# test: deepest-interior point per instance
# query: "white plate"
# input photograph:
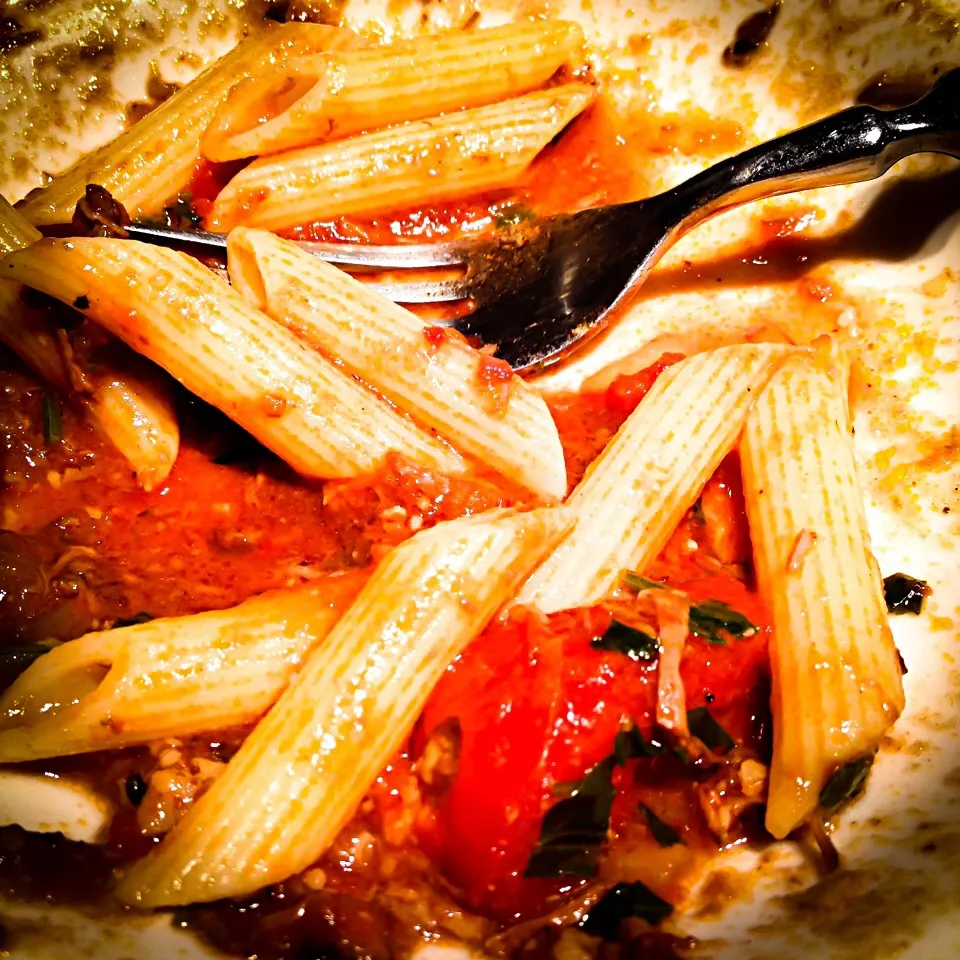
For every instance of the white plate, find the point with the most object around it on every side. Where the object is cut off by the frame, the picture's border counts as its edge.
(895, 281)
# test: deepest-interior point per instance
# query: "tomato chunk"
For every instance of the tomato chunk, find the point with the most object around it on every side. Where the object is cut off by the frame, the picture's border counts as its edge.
(539, 706)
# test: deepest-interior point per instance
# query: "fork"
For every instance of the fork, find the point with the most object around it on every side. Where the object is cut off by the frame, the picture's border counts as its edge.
(546, 287)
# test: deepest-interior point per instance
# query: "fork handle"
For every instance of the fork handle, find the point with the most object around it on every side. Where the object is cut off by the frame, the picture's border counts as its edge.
(860, 143)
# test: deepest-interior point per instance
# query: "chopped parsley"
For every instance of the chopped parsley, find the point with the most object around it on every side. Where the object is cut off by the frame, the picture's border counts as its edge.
(627, 640)
(635, 582)
(662, 832)
(846, 783)
(575, 829)
(630, 744)
(905, 594)
(706, 729)
(182, 209)
(52, 425)
(712, 619)
(179, 215)
(622, 902)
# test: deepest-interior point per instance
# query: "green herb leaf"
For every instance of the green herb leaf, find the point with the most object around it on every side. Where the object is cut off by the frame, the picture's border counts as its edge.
(575, 829)
(629, 641)
(179, 215)
(630, 744)
(137, 618)
(511, 214)
(703, 726)
(709, 618)
(905, 594)
(22, 656)
(635, 582)
(662, 832)
(846, 783)
(182, 208)
(52, 427)
(625, 900)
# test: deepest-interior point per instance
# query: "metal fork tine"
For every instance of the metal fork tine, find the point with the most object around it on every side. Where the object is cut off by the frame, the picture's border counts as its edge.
(359, 255)
(390, 257)
(439, 291)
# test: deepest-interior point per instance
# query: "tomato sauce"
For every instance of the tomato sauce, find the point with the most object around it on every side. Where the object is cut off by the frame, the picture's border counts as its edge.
(537, 706)
(527, 710)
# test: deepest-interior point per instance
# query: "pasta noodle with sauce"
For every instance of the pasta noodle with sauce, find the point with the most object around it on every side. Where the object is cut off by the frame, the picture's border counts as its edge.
(149, 164)
(437, 383)
(525, 729)
(192, 323)
(651, 472)
(118, 391)
(15, 230)
(331, 96)
(171, 677)
(485, 148)
(351, 706)
(836, 679)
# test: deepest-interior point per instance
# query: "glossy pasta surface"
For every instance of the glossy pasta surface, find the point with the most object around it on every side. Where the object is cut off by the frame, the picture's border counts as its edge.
(334, 633)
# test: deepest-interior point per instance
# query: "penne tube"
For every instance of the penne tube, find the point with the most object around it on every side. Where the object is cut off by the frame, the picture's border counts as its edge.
(15, 230)
(131, 404)
(121, 396)
(171, 677)
(39, 803)
(149, 164)
(836, 682)
(441, 385)
(486, 148)
(302, 772)
(182, 316)
(329, 96)
(635, 493)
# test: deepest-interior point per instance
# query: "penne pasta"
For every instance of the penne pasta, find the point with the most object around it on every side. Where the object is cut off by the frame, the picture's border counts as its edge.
(153, 161)
(486, 148)
(118, 391)
(171, 677)
(636, 492)
(835, 675)
(302, 772)
(40, 803)
(15, 230)
(131, 404)
(182, 316)
(506, 426)
(329, 96)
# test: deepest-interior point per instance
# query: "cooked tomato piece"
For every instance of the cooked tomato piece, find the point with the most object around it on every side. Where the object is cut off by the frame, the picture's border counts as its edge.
(625, 393)
(724, 514)
(539, 706)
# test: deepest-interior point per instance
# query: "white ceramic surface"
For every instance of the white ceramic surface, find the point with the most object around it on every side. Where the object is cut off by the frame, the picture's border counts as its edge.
(894, 286)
